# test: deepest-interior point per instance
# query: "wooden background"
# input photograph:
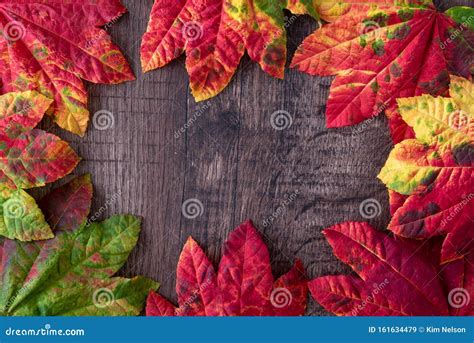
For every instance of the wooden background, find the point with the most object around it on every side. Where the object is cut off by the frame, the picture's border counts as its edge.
(305, 177)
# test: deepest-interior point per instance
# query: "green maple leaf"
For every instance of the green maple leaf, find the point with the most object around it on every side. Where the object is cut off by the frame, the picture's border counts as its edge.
(72, 274)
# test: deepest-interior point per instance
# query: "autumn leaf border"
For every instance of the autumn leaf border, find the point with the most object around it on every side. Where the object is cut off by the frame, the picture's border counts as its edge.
(46, 205)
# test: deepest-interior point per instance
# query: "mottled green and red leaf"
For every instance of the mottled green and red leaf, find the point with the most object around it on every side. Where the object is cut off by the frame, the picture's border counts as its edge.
(71, 274)
(330, 10)
(435, 171)
(67, 207)
(215, 34)
(28, 158)
(42, 49)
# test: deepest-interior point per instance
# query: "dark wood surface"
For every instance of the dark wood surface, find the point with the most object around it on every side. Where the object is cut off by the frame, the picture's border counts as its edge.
(305, 177)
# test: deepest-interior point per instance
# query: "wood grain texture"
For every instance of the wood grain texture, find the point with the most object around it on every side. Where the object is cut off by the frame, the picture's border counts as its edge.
(292, 183)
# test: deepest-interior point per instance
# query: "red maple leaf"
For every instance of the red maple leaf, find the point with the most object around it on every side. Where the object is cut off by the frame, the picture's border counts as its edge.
(43, 49)
(381, 53)
(243, 286)
(394, 277)
(215, 34)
